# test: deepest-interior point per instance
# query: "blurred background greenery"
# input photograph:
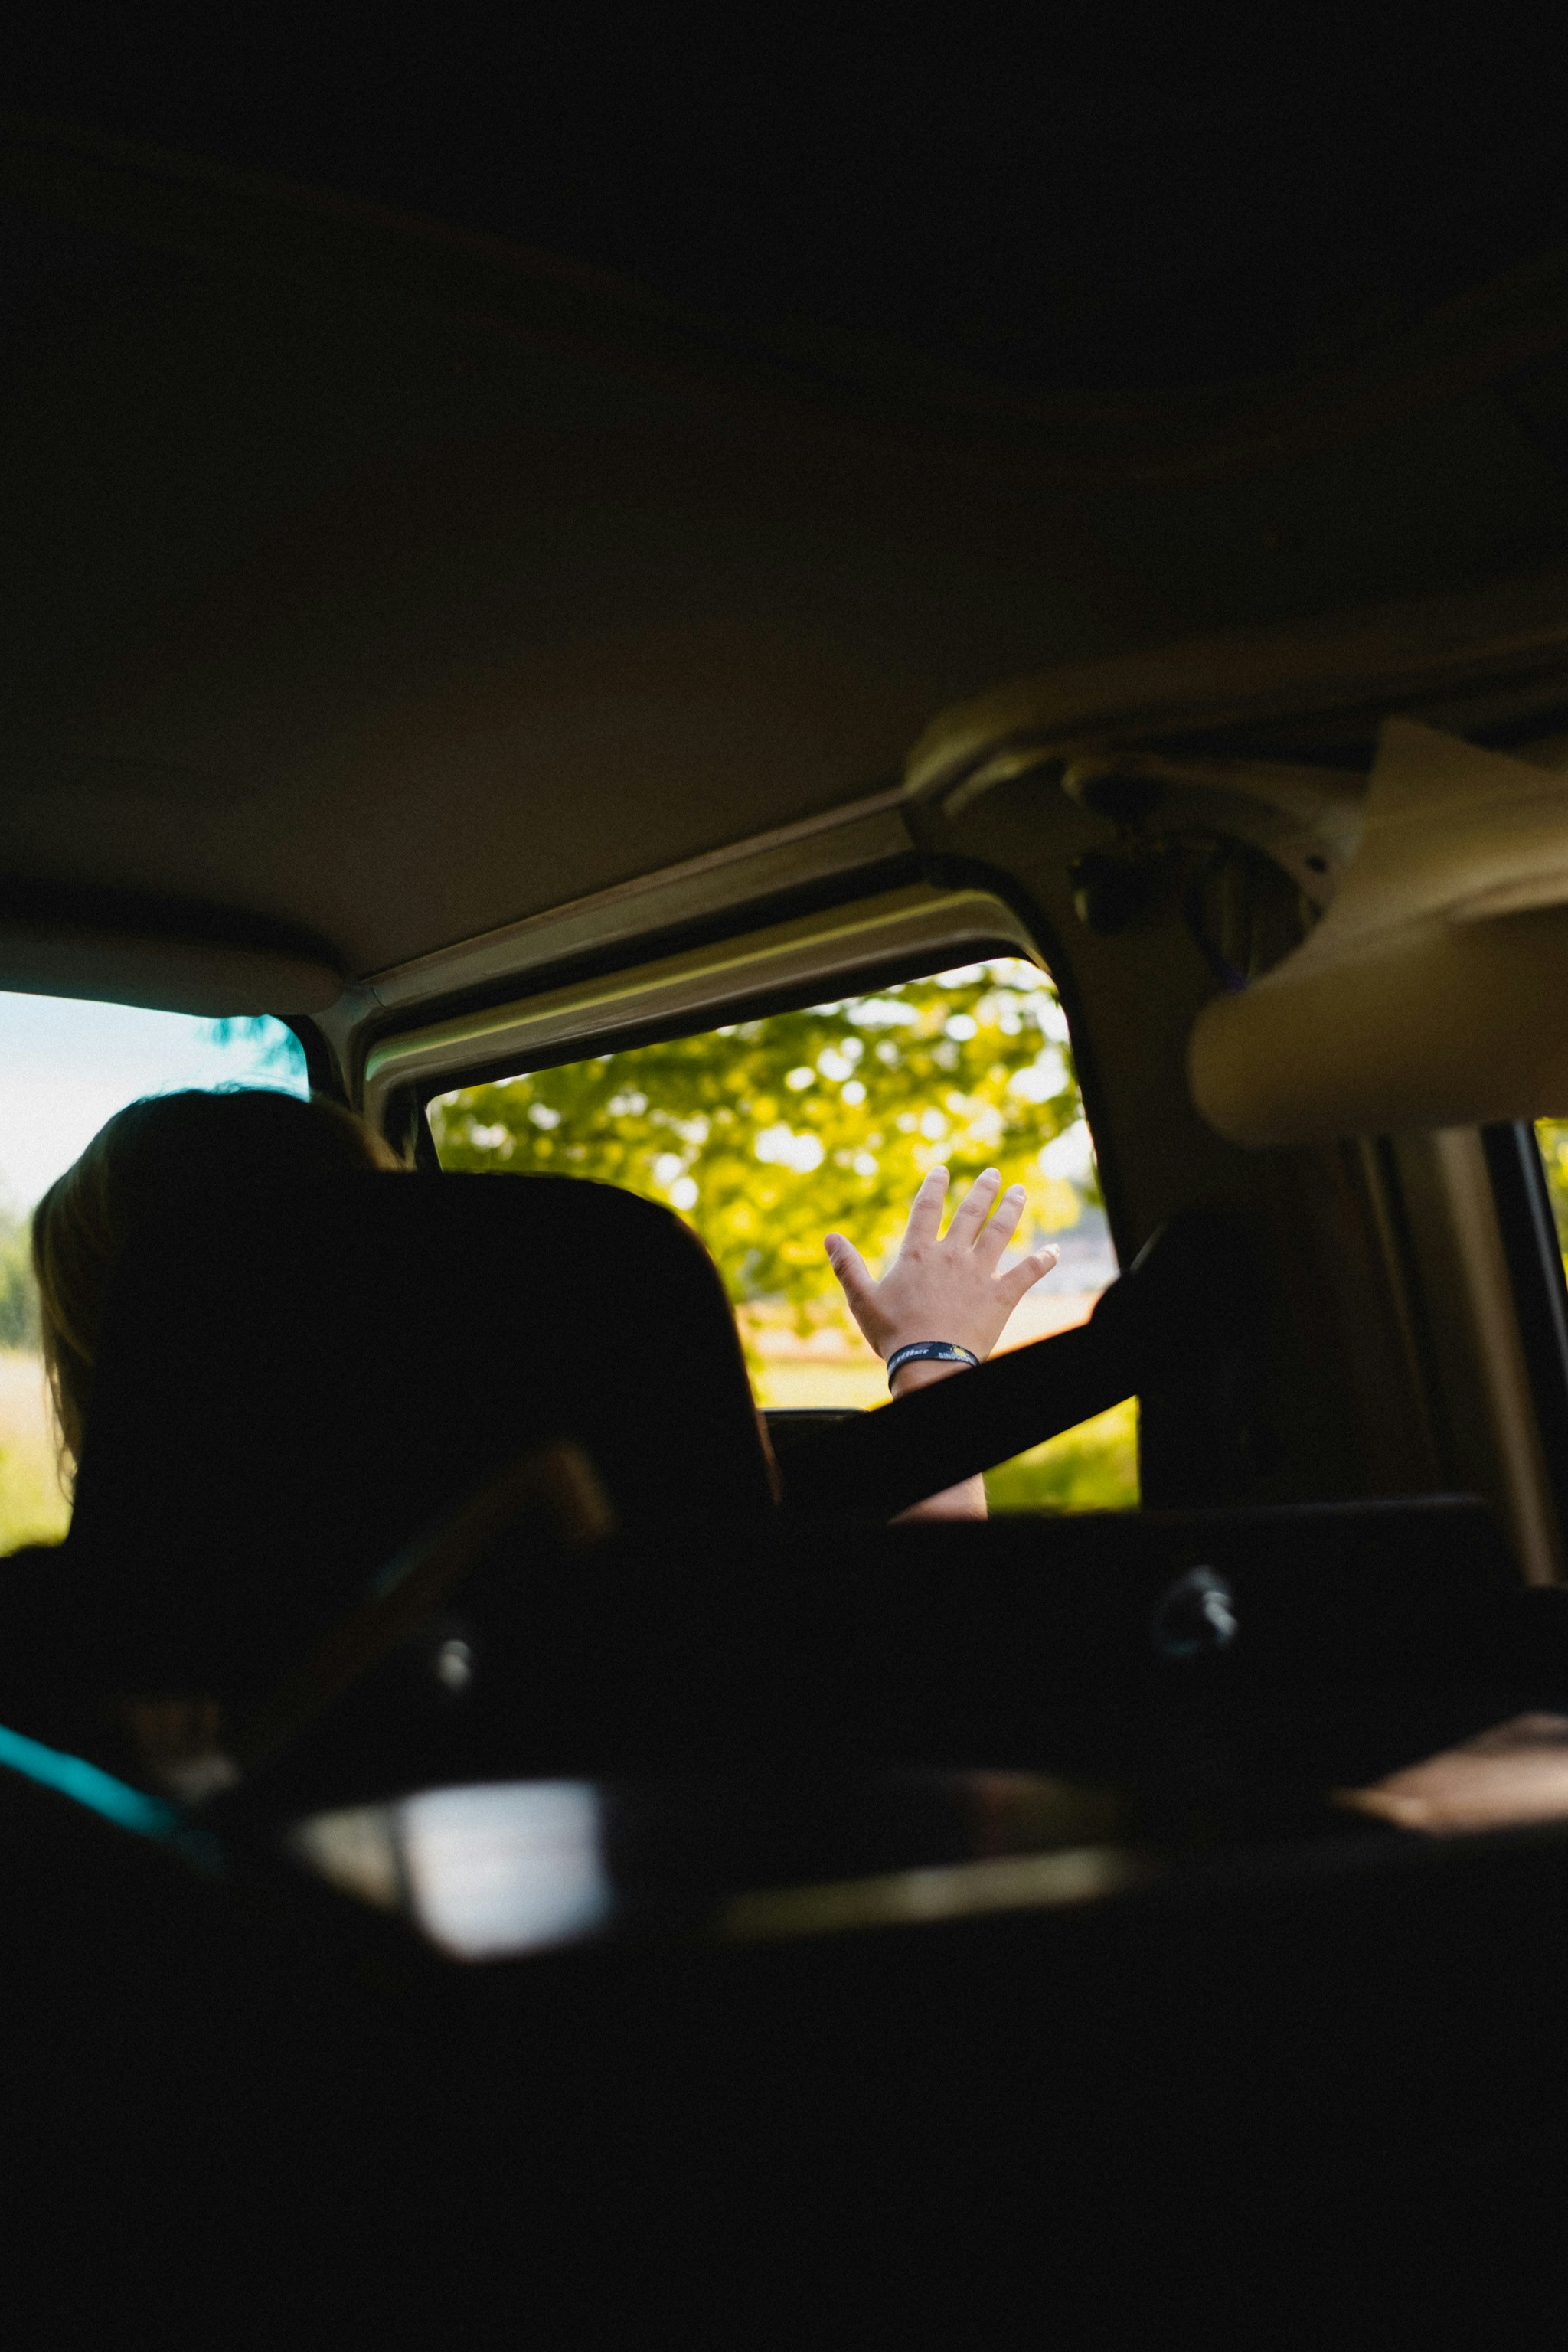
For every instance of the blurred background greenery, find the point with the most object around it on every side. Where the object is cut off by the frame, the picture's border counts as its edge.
(1551, 1134)
(769, 1134)
(18, 1302)
(32, 1508)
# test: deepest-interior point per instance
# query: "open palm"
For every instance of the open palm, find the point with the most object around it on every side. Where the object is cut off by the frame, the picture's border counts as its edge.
(943, 1286)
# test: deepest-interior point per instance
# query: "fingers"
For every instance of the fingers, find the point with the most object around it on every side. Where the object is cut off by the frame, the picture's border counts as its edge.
(851, 1269)
(1012, 1285)
(925, 1217)
(992, 1238)
(975, 1206)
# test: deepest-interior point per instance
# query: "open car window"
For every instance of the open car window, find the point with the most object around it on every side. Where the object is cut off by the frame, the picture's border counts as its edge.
(1551, 1136)
(769, 1133)
(66, 1066)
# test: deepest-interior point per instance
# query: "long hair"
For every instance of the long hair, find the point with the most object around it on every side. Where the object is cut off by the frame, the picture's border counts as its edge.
(144, 1157)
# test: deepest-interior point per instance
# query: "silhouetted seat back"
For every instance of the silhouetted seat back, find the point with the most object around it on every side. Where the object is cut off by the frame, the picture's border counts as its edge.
(290, 1386)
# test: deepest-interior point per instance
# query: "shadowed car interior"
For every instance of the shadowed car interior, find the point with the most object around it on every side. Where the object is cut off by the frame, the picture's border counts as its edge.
(692, 647)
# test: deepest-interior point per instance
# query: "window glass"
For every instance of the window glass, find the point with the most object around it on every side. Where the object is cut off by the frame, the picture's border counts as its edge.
(1552, 1135)
(65, 1067)
(769, 1133)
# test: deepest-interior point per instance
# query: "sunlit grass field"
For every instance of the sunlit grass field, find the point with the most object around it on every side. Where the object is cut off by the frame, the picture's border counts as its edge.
(1091, 1468)
(32, 1508)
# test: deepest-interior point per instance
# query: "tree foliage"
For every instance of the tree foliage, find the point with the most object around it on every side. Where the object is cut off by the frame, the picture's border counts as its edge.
(275, 1050)
(769, 1133)
(18, 1297)
(1551, 1134)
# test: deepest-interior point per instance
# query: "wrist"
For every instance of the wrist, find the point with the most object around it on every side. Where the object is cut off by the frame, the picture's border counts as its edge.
(936, 1352)
(919, 1372)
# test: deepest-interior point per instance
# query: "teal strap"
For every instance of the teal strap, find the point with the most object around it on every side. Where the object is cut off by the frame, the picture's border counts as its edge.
(86, 1784)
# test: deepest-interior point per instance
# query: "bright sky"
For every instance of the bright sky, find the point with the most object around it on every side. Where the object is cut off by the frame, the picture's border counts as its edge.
(66, 1067)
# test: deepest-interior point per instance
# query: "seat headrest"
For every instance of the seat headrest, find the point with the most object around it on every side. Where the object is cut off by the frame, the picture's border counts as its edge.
(290, 1385)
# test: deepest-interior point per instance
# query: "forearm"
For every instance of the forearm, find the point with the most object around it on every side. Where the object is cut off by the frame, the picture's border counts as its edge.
(967, 1500)
(943, 1290)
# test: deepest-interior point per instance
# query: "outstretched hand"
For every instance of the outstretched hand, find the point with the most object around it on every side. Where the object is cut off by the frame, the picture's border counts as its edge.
(943, 1286)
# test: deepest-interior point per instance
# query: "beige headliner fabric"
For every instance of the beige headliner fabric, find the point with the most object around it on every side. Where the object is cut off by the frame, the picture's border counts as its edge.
(1435, 991)
(209, 977)
(391, 588)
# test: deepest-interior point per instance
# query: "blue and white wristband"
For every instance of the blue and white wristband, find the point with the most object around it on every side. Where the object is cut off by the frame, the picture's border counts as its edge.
(930, 1351)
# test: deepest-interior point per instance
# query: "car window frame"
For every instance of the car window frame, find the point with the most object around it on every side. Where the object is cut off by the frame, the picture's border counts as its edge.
(841, 951)
(1534, 1257)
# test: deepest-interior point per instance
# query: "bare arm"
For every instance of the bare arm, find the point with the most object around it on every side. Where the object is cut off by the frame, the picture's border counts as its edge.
(943, 1287)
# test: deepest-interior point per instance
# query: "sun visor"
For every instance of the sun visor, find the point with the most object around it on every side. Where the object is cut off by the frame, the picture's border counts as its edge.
(171, 975)
(1434, 992)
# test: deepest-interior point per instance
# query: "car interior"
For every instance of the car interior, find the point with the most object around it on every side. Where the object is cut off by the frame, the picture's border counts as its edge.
(511, 1829)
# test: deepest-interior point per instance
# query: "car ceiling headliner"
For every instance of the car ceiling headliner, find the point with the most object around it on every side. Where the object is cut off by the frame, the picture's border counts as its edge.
(382, 583)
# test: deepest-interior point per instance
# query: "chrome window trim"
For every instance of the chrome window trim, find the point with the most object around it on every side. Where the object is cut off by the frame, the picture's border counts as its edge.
(865, 837)
(704, 985)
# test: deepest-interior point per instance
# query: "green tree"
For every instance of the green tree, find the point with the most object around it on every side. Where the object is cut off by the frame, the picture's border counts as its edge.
(18, 1295)
(276, 1049)
(769, 1133)
(1551, 1134)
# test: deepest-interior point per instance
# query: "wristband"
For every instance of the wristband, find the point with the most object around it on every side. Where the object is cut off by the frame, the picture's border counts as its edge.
(930, 1351)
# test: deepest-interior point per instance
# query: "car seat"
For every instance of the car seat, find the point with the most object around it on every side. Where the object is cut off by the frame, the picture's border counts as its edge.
(289, 1387)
